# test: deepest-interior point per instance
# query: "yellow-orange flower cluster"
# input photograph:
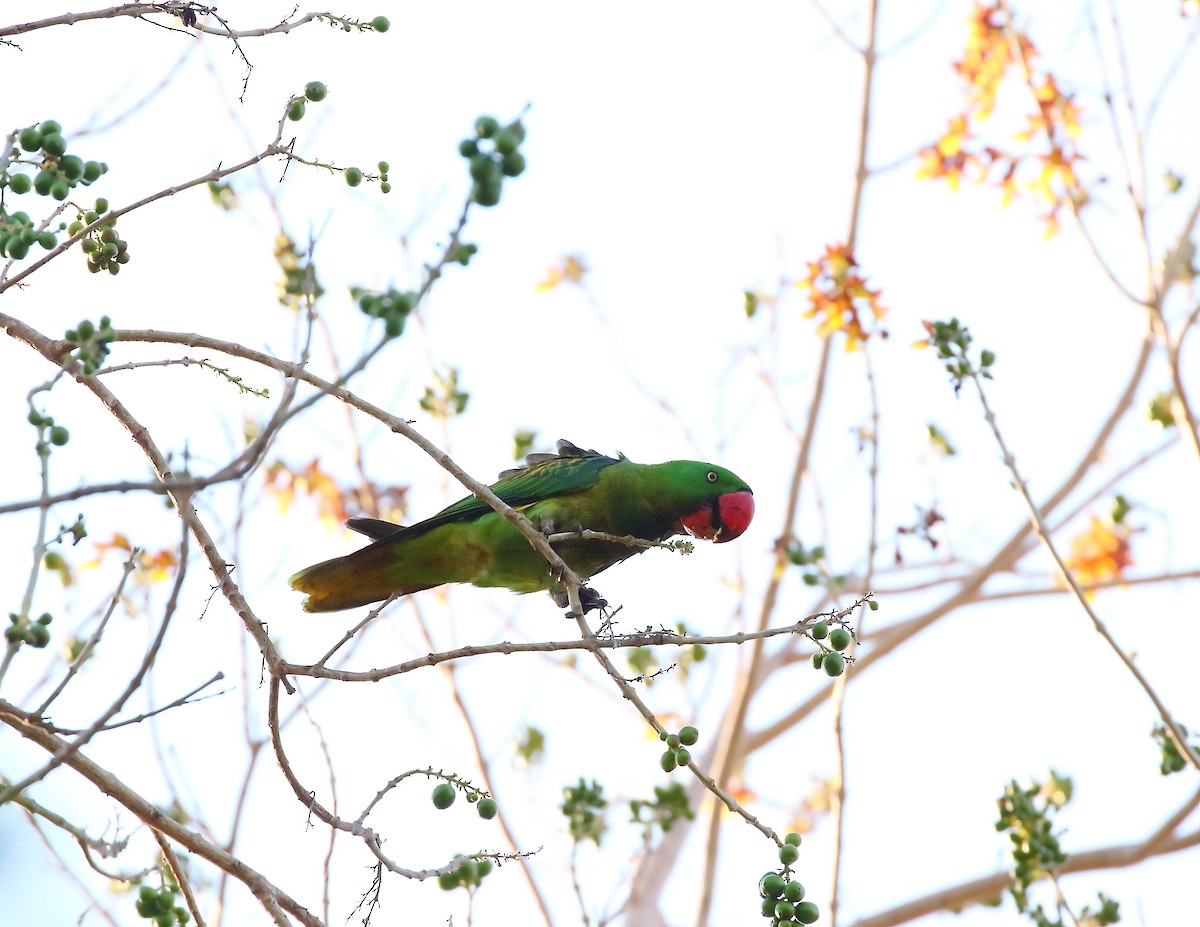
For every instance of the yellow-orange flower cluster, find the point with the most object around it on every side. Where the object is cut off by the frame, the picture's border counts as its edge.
(1045, 165)
(286, 484)
(570, 269)
(1101, 553)
(333, 502)
(839, 296)
(150, 567)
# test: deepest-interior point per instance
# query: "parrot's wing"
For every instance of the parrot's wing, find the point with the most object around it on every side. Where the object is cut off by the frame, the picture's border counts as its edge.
(572, 469)
(375, 528)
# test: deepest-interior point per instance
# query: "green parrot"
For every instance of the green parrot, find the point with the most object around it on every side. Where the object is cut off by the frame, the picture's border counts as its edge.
(572, 490)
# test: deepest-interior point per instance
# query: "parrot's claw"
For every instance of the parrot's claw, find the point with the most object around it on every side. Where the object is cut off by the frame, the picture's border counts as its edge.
(589, 598)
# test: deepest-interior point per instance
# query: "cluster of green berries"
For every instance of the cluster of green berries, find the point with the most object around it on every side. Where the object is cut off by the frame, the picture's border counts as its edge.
(953, 340)
(105, 250)
(18, 234)
(48, 432)
(829, 657)
(493, 154)
(783, 897)
(1170, 759)
(468, 875)
(314, 92)
(463, 253)
(677, 753)
(1026, 814)
(669, 806)
(444, 794)
(33, 633)
(354, 176)
(93, 341)
(392, 306)
(160, 906)
(60, 172)
(583, 806)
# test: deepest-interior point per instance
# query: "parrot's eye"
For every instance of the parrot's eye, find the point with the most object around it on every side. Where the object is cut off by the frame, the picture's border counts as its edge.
(711, 476)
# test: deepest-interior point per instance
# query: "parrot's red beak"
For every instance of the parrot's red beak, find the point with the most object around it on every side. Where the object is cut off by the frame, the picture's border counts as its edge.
(733, 513)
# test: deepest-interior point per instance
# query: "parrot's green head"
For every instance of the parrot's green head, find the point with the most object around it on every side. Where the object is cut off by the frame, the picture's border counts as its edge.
(723, 502)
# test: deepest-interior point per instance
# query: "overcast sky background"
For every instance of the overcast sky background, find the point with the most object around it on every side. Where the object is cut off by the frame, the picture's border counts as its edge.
(687, 152)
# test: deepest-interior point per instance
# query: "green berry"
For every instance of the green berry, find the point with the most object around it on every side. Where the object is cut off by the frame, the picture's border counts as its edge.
(486, 126)
(784, 910)
(485, 866)
(487, 808)
(381, 24)
(468, 148)
(15, 248)
(819, 631)
(60, 190)
(71, 167)
(793, 892)
(688, 736)
(768, 907)
(513, 164)
(53, 144)
(20, 183)
(315, 91)
(771, 885)
(448, 880)
(486, 193)
(42, 183)
(14, 634)
(839, 638)
(30, 139)
(793, 839)
(443, 795)
(834, 664)
(92, 171)
(385, 187)
(50, 127)
(468, 872)
(47, 240)
(505, 141)
(873, 605)
(383, 167)
(788, 854)
(667, 761)
(483, 168)
(296, 110)
(817, 659)
(807, 913)
(673, 741)
(353, 176)
(682, 757)
(37, 635)
(59, 436)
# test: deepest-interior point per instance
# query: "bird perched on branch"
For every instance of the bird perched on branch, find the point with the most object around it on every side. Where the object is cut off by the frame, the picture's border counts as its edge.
(572, 490)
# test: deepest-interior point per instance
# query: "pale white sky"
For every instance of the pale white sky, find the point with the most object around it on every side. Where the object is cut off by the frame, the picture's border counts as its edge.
(687, 152)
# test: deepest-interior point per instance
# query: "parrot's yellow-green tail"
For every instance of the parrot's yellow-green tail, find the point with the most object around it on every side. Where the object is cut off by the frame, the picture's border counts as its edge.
(343, 582)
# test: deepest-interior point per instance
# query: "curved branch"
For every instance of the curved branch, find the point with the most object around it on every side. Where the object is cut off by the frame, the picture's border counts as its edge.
(263, 889)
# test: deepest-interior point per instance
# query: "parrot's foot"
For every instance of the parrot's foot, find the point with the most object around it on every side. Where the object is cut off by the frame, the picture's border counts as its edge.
(589, 598)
